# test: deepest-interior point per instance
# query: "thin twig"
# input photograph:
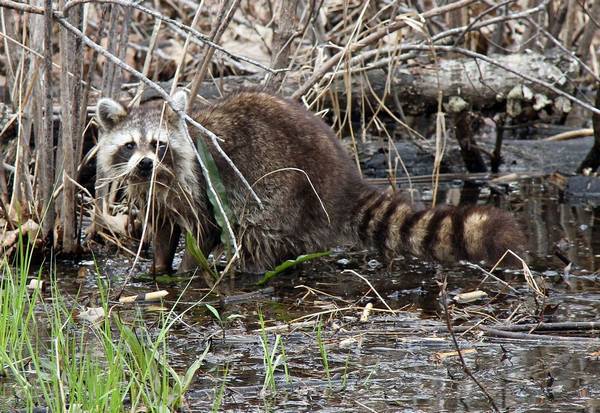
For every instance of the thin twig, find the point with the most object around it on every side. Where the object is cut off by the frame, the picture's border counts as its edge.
(479, 17)
(370, 286)
(370, 39)
(466, 369)
(283, 34)
(222, 22)
(568, 52)
(147, 61)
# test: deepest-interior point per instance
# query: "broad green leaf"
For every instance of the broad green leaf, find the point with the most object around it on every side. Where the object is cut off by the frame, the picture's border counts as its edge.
(214, 311)
(217, 183)
(192, 247)
(291, 263)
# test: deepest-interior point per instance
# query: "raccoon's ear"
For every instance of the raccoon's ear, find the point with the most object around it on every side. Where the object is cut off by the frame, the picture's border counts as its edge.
(109, 113)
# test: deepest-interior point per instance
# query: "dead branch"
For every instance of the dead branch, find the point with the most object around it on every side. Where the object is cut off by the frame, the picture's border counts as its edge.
(223, 20)
(368, 40)
(479, 83)
(592, 160)
(494, 332)
(534, 81)
(283, 35)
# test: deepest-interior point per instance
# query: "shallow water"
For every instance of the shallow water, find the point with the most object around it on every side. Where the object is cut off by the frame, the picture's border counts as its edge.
(395, 362)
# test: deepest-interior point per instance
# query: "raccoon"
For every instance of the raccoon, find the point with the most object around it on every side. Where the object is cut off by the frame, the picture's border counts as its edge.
(313, 197)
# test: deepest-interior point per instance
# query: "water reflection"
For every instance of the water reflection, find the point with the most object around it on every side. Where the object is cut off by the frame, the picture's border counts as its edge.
(551, 223)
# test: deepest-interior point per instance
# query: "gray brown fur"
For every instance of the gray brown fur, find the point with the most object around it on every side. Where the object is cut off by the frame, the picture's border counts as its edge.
(263, 133)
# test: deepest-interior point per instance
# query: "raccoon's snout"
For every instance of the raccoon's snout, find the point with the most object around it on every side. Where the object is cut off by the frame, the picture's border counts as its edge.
(144, 167)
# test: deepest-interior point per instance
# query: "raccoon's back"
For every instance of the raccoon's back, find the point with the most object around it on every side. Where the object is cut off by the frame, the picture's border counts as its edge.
(315, 198)
(279, 146)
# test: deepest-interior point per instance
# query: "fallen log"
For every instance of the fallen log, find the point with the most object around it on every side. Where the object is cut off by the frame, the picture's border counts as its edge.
(481, 84)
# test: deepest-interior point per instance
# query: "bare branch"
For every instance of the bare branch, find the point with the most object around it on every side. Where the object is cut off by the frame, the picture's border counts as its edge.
(222, 21)
(370, 39)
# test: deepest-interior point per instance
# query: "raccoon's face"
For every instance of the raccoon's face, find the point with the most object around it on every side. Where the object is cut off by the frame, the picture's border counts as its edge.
(142, 144)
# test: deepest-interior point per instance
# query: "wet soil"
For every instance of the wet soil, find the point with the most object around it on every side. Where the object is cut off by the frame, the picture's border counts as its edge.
(400, 360)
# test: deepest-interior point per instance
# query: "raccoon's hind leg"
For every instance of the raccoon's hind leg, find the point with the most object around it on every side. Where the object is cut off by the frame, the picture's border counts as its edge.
(166, 239)
(264, 248)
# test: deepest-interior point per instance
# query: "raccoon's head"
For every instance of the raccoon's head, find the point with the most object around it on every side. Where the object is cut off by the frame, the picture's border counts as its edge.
(144, 143)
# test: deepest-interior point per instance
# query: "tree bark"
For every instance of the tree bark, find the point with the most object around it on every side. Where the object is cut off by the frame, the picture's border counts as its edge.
(283, 34)
(592, 160)
(481, 84)
(70, 97)
(464, 129)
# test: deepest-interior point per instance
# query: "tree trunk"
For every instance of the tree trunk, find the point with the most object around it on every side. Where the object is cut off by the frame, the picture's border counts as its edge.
(592, 160)
(71, 98)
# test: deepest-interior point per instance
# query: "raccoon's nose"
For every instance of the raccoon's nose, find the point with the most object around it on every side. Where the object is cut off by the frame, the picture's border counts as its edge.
(145, 166)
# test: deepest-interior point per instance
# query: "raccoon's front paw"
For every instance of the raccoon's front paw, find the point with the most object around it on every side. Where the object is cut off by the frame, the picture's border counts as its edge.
(161, 268)
(188, 263)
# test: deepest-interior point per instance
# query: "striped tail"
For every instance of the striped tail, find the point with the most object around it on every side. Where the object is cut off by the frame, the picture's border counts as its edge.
(444, 233)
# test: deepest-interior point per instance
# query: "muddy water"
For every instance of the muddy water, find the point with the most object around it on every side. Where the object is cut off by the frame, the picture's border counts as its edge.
(397, 362)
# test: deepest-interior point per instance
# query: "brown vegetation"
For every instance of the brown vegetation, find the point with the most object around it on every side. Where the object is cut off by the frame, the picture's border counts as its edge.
(368, 64)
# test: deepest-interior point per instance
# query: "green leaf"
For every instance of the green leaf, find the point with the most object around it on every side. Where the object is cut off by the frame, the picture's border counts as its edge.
(217, 183)
(291, 263)
(191, 371)
(214, 311)
(192, 247)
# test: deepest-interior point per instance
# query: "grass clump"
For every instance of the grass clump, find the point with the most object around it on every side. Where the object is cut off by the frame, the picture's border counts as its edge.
(273, 356)
(63, 363)
(323, 351)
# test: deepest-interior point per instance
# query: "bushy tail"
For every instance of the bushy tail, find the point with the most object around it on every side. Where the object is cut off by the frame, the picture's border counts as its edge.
(444, 233)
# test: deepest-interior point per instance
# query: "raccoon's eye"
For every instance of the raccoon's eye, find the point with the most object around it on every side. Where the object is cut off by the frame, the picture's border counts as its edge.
(130, 145)
(161, 145)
